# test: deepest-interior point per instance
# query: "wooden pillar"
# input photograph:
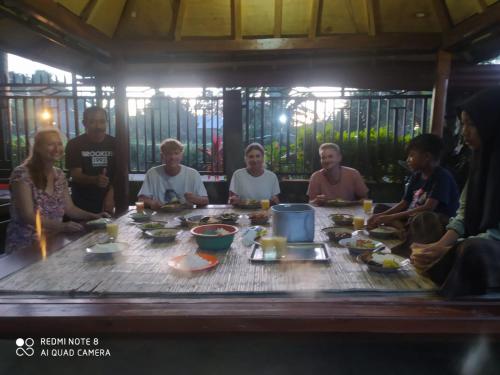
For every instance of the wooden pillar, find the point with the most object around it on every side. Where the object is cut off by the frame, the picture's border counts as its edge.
(122, 152)
(232, 133)
(440, 91)
(5, 165)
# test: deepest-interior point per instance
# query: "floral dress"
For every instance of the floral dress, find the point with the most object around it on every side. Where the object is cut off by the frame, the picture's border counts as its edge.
(51, 206)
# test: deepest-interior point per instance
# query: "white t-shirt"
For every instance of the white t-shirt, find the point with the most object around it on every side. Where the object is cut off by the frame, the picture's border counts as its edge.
(249, 187)
(162, 187)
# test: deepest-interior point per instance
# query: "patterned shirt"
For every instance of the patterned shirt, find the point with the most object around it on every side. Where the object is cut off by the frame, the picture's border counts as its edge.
(51, 206)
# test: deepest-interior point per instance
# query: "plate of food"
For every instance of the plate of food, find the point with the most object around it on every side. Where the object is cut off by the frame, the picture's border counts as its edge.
(336, 234)
(341, 203)
(195, 220)
(342, 220)
(357, 246)
(98, 223)
(383, 262)
(384, 231)
(258, 217)
(107, 248)
(152, 226)
(193, 262)
(140, 217)
(250, 204)
(227, 218)
(162, 235)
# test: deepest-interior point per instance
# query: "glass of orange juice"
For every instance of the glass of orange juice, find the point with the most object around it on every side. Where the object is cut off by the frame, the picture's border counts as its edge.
(265, 204)
(358, 222)
(112, 230)
(367, 206)
(139, 207)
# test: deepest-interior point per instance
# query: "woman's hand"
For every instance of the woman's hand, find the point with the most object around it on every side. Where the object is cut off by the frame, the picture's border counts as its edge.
(234, 200)
(190, 197)
(425, 255)
(154, 204)
(102, 214)
(71, 226)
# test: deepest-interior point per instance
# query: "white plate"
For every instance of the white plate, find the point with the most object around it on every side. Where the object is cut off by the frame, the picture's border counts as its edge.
(107, 248)
(351, 243)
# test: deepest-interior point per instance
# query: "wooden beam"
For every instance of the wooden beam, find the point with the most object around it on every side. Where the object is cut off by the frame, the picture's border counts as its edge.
(472, 27)
(179, 19)
(88, 10)
(439, 92)
(373, 315)
(278, 18)
(121, 185)
(442, 14)
(349, 43)
(59, 18)
(313, 23)
(481, 5)
(236, 6)
(371, 17)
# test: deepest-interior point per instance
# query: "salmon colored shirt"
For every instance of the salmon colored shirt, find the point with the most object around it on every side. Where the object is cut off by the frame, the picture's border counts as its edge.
(350, 187)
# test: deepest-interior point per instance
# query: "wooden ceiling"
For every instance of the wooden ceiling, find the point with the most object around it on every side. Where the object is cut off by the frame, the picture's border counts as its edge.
(240, 19)
(94, 35)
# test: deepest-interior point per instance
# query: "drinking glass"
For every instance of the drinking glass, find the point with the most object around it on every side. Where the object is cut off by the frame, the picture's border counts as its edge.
(112, 230)
(368, 206)
(358, 222)
(265, 204)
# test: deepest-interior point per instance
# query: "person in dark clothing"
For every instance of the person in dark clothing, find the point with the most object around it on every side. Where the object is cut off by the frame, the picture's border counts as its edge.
(466, 260)
(90, 159)
(431, 187)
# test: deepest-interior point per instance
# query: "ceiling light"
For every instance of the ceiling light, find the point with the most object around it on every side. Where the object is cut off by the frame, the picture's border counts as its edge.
(420, 15)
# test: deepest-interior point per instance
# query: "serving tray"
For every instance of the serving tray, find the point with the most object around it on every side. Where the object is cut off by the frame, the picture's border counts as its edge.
(315, 252)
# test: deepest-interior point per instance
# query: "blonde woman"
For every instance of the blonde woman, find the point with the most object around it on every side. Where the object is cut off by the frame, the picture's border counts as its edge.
(38, 186)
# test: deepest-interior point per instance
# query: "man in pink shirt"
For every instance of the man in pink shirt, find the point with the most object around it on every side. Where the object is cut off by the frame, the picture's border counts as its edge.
(335, 181)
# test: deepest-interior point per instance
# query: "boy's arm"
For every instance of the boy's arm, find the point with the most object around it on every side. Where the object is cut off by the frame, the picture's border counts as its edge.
(401, 206)
(429, 205)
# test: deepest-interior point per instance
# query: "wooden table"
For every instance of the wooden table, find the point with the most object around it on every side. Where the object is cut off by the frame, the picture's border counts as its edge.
(137, 291)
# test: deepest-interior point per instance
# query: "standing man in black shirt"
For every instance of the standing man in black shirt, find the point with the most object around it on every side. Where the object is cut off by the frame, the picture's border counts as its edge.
(90, 159)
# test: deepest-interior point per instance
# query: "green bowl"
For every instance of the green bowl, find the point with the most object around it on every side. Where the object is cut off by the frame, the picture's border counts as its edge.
(207, 238)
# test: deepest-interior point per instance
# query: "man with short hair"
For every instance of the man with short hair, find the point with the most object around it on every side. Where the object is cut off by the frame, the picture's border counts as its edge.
(335, 181)
(90, 159)
(172, 182)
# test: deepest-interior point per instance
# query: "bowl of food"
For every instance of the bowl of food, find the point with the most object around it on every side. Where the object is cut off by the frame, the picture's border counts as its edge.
(214, 236)
(336, 234)
(384, 232)
(228, 218)
(162, 235)
(342, 220)
(98, 223)
(140, 217)
(357, 246)
(259, 217)
(152, 226)
(385, 263)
